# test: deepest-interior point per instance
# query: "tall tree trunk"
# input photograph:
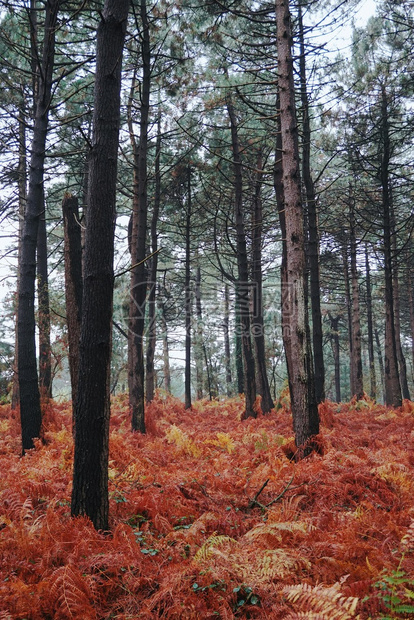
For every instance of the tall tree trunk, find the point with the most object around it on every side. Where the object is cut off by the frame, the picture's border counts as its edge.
(165, 349)
(152, 330)
(371, 356)
(22, 189)
(257, 279)
(226, 334)
(199, 348)
(238, 344)
(303, 402)
(243, 272)
(92, 409)
(336, 354)
(30, 411)
(402, 365)
(280, 201)
(313, 232)
(393, 395)
(139, 231)
(188, 304)
(45, 350)
(411, 307)
(73, 285)
(380, 361)
(348, 302)
(356, 355)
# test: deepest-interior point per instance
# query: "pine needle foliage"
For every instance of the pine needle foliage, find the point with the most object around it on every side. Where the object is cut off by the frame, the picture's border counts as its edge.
(209, 519)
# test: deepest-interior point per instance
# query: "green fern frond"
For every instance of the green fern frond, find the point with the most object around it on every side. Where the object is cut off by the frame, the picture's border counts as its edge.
(213, 542)
(329, 602)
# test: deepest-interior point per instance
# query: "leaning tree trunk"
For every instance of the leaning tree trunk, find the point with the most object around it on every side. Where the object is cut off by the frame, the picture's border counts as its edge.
(30, 411)
(313, 232)
(303, 402)
(138, 241)
(73, 285)
(92, 409)
(242, 289)
(257, 279)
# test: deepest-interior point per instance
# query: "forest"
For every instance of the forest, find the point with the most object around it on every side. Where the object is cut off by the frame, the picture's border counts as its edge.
(207, 335)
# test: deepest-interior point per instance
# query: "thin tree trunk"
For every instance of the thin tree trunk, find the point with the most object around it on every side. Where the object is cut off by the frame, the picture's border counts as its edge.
(30, 411)
(199, 344)
(257, 278)
(243, 273)
(45, 351)
(303, 402)
(238, 344)
(336, 355)
(393, 395)
(380, 362)
(92, 409)
(402, 365)
(152, 327)
(187, 372)
(313, 233)
(371, 356)
(166, 353)
(356, 356)
(73, 285)
(348, 302)
(226, 333)
(411, 306)
(138, 240)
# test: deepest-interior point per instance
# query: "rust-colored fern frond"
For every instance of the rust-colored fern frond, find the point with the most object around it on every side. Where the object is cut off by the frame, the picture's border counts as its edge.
(329, 602)
(71, 594)
(213, 542)
(408, 540)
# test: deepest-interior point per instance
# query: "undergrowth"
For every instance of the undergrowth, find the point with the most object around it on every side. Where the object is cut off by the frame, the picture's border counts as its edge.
(210, 519)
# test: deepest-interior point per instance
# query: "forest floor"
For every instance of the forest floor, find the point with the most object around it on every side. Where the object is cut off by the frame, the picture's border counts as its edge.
(210, 519)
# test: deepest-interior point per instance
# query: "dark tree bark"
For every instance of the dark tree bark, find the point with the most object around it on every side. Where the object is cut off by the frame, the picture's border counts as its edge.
(138, 240)
(393, 395)
(226, 334)
(30, 411)
(242, 289)
(280, 202)
(199, 348)
(238, 344)
(303, 402)
(73, 285)
(348, 302)
(356, 354)
(257, 279)
(165, 349)
(92, 409)
(336, 354)
(371, 356)
(43, 311)
(313, 232)
(411, 307)
(152, 325)
(188, 304)
(380, 361)
(22, 188)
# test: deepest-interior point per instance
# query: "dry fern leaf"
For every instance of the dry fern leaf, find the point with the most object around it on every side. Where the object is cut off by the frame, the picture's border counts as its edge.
(213, 542)
(71, 594)
(329, 602)
(278, 563)
(182, 441)
(407, 541)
